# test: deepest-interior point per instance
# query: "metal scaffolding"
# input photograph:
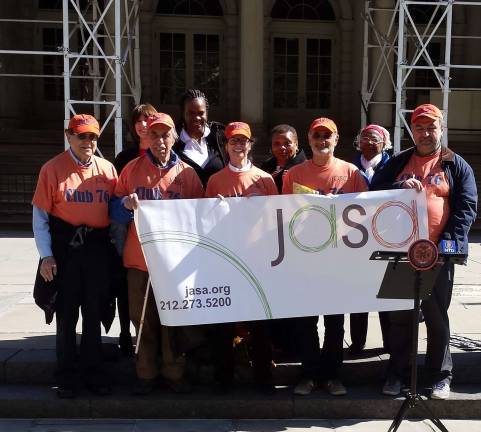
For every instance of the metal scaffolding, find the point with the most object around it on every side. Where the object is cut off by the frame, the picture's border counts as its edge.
(409, 42)
(107, 55)
(379, 50)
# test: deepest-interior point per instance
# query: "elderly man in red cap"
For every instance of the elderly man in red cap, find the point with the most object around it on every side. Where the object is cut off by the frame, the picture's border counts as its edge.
(451, 203)
(70, 224)
(157, 175)
(323, 174)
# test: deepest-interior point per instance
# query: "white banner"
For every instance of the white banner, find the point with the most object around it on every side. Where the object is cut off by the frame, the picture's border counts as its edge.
(239, 259)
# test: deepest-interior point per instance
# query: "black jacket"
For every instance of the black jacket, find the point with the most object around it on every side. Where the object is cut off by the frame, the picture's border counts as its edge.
(270, 166)
(124, 157)
(463, 197)
(216, 159)
(65, 236)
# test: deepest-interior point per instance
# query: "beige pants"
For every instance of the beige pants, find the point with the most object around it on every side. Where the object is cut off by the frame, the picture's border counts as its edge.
(155, 356)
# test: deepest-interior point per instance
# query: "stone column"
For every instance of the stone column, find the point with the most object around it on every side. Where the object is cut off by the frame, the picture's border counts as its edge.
(252, 62)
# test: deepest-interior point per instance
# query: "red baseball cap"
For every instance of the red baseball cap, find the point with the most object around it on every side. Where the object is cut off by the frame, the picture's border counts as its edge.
(81, 123)
(237, 128)
(323, 123)
(160, 118)
(426, 110)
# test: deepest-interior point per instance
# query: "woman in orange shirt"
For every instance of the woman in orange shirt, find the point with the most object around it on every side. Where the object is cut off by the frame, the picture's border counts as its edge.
(241, 178)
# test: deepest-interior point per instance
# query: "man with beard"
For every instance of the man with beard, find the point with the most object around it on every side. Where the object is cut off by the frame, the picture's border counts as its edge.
(451, 203)
(326, 175)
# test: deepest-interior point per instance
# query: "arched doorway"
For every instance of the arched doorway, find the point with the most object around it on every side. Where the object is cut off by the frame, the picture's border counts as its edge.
(303, 62)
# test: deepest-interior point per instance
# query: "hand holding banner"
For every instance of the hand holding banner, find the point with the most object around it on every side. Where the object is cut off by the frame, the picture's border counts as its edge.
(239, 259)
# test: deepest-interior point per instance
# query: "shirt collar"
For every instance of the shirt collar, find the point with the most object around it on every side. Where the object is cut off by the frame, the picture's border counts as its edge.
(243, 169)
(78, 161)
(170, 163)
(185, 137)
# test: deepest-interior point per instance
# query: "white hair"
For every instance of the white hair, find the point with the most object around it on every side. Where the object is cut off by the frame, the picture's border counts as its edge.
(386, 139)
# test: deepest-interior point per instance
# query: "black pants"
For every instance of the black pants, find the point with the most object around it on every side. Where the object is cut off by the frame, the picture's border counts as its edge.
(358, 326)
(222, 336)
(83, 282)
(122, 294)
(317, 364)
(438, 363)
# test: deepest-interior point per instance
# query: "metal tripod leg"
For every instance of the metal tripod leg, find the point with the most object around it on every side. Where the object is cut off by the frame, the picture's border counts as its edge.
(412, 397)
(400, 415)
(438, 423)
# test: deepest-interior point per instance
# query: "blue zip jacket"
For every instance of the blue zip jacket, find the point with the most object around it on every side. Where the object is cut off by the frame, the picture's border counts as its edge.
(463, 196)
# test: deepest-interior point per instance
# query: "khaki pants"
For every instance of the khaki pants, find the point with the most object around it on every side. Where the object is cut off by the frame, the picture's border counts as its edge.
(155, 356)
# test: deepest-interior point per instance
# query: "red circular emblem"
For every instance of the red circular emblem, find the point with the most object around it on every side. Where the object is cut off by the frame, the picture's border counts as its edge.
(423, 254)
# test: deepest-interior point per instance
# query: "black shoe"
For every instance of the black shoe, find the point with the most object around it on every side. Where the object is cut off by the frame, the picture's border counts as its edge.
(144, 387)
(66, 391)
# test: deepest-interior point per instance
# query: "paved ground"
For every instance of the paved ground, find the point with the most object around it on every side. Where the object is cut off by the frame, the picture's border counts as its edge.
(59, 425)
(22, 324)
(22, 328)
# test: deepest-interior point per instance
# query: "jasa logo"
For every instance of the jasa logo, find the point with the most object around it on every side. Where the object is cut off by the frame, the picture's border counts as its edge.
(331, 236)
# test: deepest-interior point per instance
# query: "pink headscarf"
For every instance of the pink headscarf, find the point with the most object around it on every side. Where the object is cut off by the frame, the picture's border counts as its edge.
(375, 128)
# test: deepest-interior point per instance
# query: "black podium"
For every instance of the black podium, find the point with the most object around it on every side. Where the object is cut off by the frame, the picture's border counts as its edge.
(412, 275)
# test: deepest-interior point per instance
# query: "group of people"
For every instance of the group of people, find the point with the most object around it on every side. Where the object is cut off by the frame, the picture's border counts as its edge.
(83, 204)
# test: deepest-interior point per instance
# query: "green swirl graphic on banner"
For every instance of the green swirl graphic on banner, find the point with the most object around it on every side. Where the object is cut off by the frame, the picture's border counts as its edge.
(214, 247)
(331, 219)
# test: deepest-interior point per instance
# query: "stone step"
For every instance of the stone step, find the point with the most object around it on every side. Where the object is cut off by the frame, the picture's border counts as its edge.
(363, 402)
(37, 366)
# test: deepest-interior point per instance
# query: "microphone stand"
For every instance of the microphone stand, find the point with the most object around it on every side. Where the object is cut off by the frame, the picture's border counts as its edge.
(413, 398)
(397, 274)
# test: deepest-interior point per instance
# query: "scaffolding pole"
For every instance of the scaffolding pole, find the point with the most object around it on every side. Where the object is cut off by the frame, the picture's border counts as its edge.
(108, 35)
(410, 41)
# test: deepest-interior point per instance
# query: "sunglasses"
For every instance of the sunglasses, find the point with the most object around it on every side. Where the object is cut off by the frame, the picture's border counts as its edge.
(241, 141)
(322, 135)
(87, 136)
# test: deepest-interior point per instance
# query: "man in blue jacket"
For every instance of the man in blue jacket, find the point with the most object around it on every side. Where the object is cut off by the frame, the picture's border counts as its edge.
(451, 204)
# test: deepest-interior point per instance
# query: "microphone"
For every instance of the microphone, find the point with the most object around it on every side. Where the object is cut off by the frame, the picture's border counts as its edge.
(448, 249)
(448, 246)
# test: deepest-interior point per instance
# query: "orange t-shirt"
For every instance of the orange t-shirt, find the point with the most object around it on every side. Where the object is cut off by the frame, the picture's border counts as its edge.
(428, 170)
(151, 182)
(337, 177)
(238, 184)
(76, 194)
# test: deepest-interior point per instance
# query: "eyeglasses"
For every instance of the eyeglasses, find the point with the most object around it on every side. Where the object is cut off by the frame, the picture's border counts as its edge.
(323, 135)
(367, 140)
(241, 141)
(87, 136)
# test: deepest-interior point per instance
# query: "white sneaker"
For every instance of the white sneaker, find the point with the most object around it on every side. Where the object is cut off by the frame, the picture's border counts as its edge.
(441, 390)
(305, 387)
(335, 387)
